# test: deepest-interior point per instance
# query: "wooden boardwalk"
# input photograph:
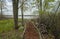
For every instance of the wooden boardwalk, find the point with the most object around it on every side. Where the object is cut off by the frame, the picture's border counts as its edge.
(31, 32)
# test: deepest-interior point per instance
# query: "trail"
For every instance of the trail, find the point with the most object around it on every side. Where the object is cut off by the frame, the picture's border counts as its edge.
(31, 32)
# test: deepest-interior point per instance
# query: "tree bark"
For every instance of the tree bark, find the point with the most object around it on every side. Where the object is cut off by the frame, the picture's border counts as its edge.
(1, 9)
(15, 13)
(22, 12)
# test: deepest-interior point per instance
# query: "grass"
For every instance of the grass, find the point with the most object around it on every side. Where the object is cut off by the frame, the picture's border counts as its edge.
(7, 29)
(6, 25)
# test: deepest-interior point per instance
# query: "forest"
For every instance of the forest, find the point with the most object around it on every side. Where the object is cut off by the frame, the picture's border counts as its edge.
(44, 21)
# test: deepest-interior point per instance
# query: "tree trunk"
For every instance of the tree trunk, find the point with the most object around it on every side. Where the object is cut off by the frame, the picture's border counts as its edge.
(41, 5)
(15, 13)
(22, 12)
(1, 9)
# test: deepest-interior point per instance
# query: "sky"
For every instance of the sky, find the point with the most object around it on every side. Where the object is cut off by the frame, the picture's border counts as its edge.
(9, 10)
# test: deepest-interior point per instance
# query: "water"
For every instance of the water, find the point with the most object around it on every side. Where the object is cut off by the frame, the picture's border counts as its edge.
(25, 16)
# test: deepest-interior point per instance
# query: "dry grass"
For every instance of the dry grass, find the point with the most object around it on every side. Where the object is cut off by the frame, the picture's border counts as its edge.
(14, 34)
